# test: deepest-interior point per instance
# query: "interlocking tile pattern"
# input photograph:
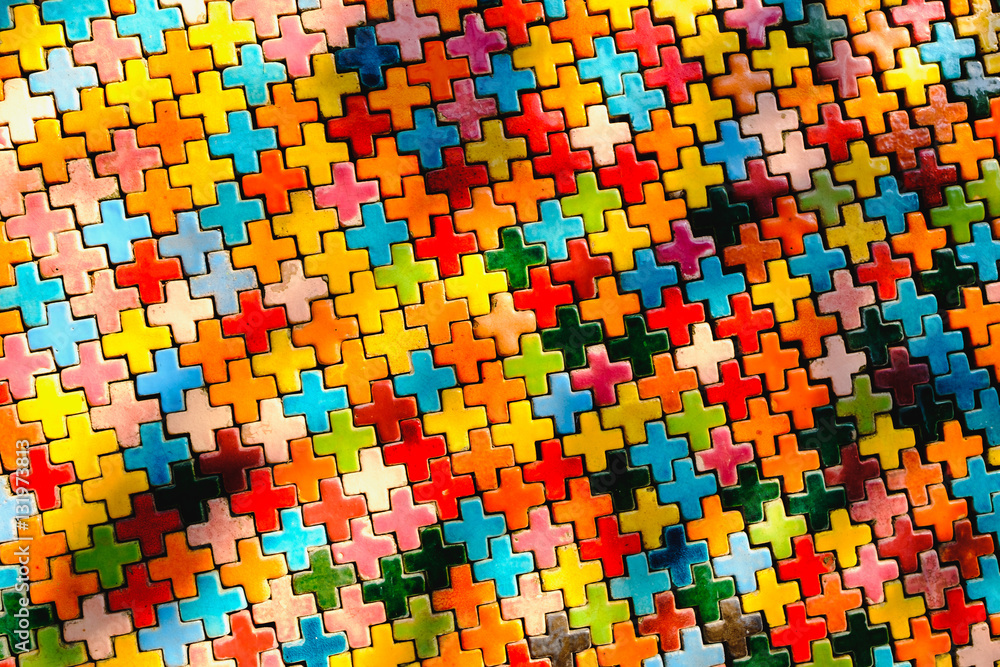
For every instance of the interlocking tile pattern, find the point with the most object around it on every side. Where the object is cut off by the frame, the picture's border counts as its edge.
(549, 333)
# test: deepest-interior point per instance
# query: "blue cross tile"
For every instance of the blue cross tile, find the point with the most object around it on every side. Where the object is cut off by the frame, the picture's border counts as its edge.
(715, 287)
(637, 103)
(427, 138)
(76, 15)
(377, 234)
(554, 9)
(191, 244)
(936, 345)
(9, 503)
(253, 75)
(117, 232)
(149, 22)
(742, 563)
(884, 658)
(243, 142)
(316, 646)
(732, 150)
(983, 251)
(947, 51)
(5, 15)
(425, 381)
(504, 566)
(979, 485)
(990, 522)
(155, 453)
(367, 57)
(222, 283)
(892, 205)
(562, 403)
(213, 604)
(659, 452)
(909, 308)
(171, 635)
(315, 402)
(649, 278)
(232, 214)
(678, 555)
(63, 79)
(506, 83)
(169, 381)
(294, 539)
(474, 529)
(62, 334)
(693, 653)
(817, 262)
(962, 382)
(30, 294)
(987, 586)
(687, 489)
(641, 585)
(987, 417)
(553, 229)
(608, 65)
(8, 573)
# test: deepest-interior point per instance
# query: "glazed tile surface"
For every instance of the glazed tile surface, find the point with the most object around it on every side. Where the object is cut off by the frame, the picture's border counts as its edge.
(549, 333)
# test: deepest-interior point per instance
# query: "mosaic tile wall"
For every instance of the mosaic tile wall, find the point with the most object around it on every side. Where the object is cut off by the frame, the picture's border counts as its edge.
(559, 333)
